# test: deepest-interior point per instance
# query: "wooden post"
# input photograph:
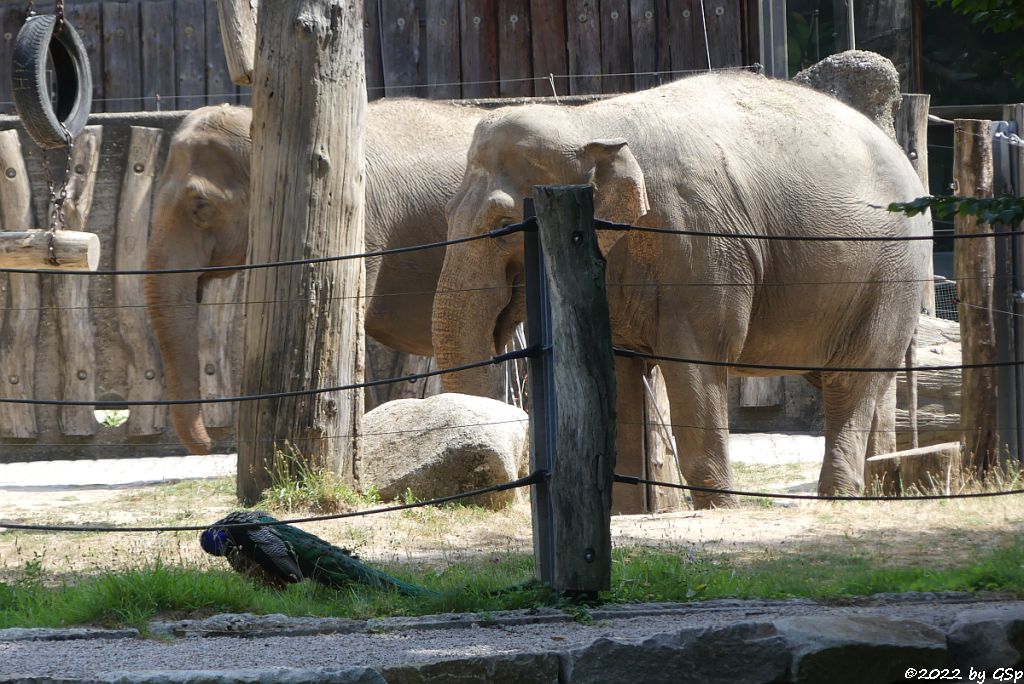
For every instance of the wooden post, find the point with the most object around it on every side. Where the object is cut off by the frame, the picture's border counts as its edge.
(132, 231)
(21, 321)
(584, 378)
(975, 270)
(308, 171)
(1015, 113)
(71, 295)
(218, 317)
(938, 466)
(912, 134)
(238, 30)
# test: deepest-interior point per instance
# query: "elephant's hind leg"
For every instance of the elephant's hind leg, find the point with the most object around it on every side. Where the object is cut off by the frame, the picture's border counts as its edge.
(698, 396)
(850, 403)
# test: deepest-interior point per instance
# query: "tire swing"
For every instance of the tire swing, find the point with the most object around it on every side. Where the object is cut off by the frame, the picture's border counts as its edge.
(48, 50)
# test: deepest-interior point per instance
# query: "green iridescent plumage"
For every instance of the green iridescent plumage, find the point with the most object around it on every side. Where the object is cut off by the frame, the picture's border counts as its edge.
(282, 554)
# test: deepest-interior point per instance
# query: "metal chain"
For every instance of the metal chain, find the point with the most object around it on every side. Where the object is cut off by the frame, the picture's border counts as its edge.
(58, 193)
(59, 12)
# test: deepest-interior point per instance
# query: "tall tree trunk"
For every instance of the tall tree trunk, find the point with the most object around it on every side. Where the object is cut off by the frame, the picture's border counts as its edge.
(304, 324)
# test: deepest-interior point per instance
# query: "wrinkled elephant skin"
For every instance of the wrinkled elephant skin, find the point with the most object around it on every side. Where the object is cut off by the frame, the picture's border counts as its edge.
(729, 153)
(416, 154)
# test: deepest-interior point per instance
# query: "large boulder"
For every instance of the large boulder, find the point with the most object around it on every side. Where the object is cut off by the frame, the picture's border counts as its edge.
(864, 80)
(443, 445)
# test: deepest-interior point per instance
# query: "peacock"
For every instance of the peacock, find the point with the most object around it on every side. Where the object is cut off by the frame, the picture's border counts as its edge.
(280, 555)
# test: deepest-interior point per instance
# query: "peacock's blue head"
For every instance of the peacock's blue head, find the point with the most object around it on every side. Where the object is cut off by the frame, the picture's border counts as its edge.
(215, 541)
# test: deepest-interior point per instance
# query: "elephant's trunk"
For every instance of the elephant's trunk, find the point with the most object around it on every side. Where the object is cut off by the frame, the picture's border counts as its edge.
(174, 313)
(464, 324)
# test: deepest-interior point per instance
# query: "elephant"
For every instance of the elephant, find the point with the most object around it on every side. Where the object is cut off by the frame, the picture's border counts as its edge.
(415, 157)
(724, 153)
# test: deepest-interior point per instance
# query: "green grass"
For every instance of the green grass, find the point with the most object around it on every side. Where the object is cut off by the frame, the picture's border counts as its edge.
(132, 597)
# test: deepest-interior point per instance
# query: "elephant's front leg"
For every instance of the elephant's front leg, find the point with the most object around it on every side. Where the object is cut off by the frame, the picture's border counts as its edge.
(629, 441)
(851, 400)
(699, 401)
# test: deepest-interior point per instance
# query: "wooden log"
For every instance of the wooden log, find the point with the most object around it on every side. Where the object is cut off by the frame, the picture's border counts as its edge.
(158, 85)
(974, 262)
(309, 113)
(190, 53)
(444, 68)
(514, 48)
(644, 28)
(73, 250)
(143, 377)
(77, 344)
(480, 48)
(581, 478)
(616, 55)
(238, 31)
(122, 67)
(12, 18)
(583, 21)
(920, 470)
(660, 445)
(400, 46)
(912, 134)
(219, 86)
(19, 293)
(219, 317)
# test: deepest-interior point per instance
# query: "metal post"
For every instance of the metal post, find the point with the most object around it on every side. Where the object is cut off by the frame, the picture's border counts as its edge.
(542, 398)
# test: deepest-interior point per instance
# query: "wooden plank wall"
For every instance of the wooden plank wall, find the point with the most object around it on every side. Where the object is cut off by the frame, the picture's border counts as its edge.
(167, 54)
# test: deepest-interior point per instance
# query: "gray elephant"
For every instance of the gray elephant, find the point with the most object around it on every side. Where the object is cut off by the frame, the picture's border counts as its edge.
(415, 158)
(729, 153)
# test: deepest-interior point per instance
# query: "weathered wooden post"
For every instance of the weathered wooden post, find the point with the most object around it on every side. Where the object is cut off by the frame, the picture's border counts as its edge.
(304, 324)
(238, 30)
(974, 261)
(912, 134)
(1014, 170)
(583, 405)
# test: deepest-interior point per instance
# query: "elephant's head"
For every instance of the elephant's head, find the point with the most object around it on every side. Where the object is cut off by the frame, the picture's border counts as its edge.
(200, 218)
(480, 295)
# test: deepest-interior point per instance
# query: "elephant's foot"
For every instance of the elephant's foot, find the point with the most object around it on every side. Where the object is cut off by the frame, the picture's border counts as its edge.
(706, 500)
(840, 486)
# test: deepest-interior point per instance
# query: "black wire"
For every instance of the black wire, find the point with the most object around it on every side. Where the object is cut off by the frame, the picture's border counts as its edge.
(500, 358)
(498, 232)
(631, 354)
(530, 479)
(627, 479)
(625, 227)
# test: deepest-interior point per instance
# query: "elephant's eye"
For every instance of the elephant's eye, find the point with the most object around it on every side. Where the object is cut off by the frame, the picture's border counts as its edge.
(202, 210)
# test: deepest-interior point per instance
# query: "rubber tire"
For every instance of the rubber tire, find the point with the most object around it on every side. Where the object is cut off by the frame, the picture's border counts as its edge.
(29, 80)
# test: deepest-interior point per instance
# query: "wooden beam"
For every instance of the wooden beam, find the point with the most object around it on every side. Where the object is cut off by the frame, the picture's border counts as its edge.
(308, 171)
(71, 296)
(974, 262)
(584, 375)
(238, 30)
(19, 293)
(143, 379)
(72, 250)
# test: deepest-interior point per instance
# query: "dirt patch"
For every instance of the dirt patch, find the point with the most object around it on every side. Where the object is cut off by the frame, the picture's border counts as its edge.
(930, 534)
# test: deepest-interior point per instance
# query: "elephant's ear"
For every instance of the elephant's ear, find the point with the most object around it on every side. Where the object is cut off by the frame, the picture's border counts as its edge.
(621, 194)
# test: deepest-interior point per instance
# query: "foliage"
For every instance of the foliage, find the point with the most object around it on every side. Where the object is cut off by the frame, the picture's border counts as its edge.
(297, 485)
(1007, 209)
(997, 16)
(131, 597)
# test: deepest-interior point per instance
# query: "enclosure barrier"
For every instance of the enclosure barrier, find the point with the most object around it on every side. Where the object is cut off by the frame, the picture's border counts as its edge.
(572, 537)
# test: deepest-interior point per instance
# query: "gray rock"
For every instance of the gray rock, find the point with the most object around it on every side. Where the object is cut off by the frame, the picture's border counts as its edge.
(64, 634)
(866, 81)
(270, 675)
(751, 653)
(988, 639)
(249, 625)
(521, 668)
(839, 649)
(443, 445)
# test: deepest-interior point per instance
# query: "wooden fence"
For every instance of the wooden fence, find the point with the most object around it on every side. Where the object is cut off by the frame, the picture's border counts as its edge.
(168, 54)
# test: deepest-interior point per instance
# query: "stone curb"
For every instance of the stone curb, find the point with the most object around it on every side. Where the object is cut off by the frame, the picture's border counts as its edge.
(811, 648)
